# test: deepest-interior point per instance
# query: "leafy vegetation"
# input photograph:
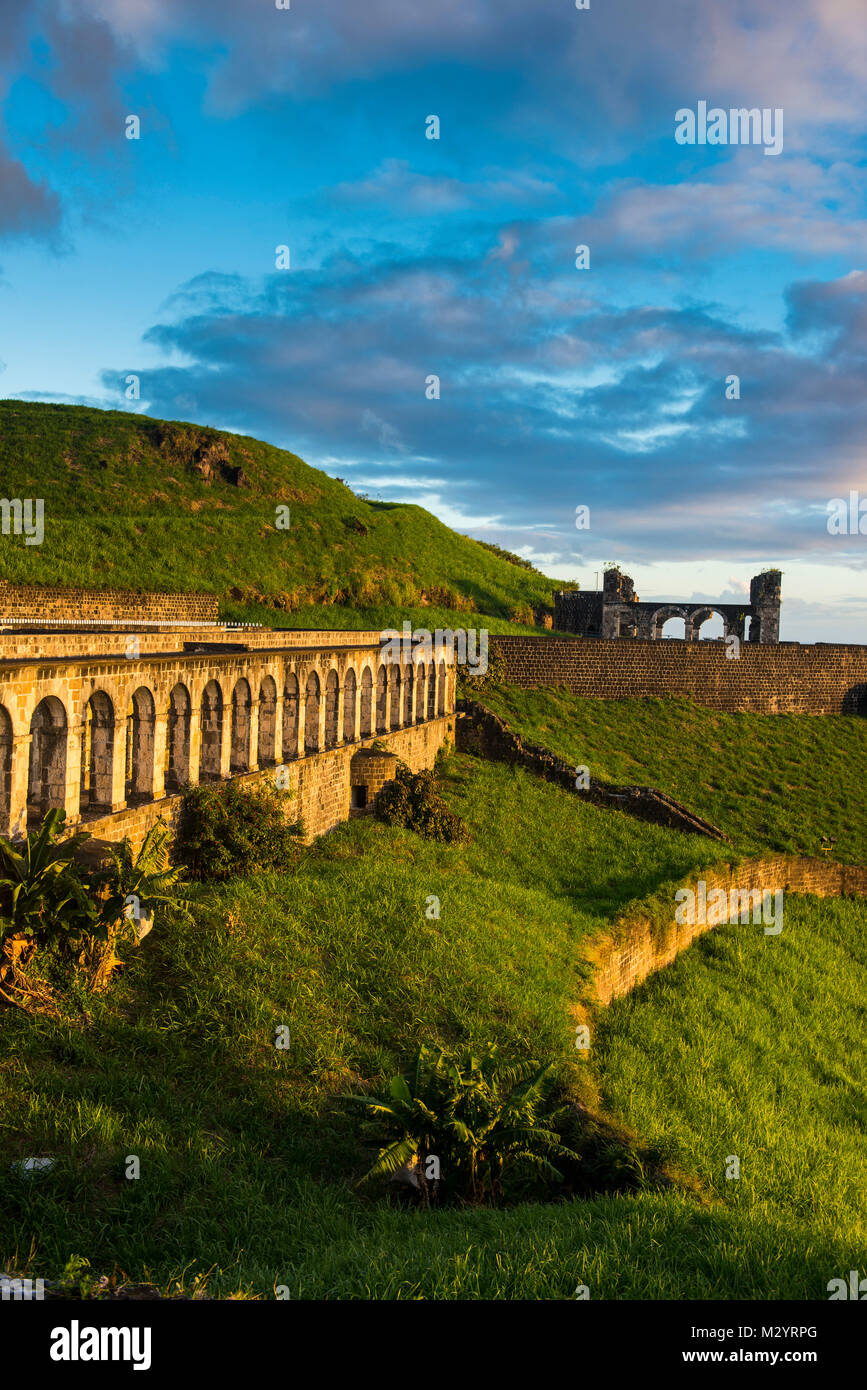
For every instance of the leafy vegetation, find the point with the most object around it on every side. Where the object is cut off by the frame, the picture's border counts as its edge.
(228, 829)
(413, 801)
(470, 1118)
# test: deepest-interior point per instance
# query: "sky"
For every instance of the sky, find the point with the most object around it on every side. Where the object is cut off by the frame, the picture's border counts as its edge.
(606, 387)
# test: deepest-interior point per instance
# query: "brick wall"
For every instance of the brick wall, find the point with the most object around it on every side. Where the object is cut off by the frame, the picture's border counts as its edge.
(635, 946)
(789, 678)
(38, 603)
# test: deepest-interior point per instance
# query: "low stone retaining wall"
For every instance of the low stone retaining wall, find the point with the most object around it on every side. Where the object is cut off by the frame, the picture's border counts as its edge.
(636, 946)
(485, 734)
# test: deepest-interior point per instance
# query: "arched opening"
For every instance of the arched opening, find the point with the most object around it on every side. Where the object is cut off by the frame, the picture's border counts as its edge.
(366, 702)
(311, 714)
(290, 718)
(670, 622)
(97, 754)
(349, 694)
(210, 759)
(381, 689)
(394, 690)
(431, 691)
(441, 692)
(242, 708)
(420, 693)
(332, 694)
(707, 625)
(268, 723)
(855, 700)
(5, 769)
(46, 785)
(178, 721)
(140, 727)
(407, 695)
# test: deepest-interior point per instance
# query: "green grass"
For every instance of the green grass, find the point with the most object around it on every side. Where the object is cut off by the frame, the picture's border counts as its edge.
(247, 1155)
(125, 508)
(770, 781)
(741, 1048)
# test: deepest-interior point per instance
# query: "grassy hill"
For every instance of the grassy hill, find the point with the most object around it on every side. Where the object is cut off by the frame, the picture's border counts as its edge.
(247, 1156)
(770, 781)
(133, 502)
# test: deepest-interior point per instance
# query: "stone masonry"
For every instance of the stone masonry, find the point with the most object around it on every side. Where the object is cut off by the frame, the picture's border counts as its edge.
(617, 611)
(782, 678)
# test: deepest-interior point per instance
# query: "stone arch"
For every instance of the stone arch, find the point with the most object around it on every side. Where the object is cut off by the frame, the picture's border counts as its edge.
(663, 615)
(381, 693)
(5, 769)
(46, 785)
(855, 700)
(420, 693)
(350, 686)
(242, 712)
(441, 691)
(697, 619)
(431, 691)
(408, 685)
(394, 692)
(366, 711)
(178, 726)
(267, 722)
(332, 705)
(311, 714)
(210, 757)
(290, 717)
(140, 728)
(97, 754)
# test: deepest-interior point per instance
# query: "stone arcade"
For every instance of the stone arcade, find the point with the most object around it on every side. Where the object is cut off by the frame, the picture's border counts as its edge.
(617, 612)
(108, 718)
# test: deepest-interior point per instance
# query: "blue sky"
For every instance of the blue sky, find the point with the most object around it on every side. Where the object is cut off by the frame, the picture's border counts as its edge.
(560, 387)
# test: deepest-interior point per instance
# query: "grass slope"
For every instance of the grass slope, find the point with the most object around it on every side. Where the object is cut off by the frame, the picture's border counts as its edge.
(246, 1158)
(776, 781)
(125, 507)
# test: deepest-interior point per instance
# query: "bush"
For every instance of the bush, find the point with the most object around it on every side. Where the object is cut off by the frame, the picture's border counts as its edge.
(227, 829)
(473, 687)
(478, 1117)
(413, 802)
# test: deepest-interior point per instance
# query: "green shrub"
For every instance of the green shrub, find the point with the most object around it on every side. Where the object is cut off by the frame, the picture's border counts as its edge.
(479, 1117)
(474, 687)
(413, 802)
(227, 829)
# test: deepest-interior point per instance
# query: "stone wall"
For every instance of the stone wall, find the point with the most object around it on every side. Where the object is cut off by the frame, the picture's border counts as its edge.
(34, 603)
(766, 679)
(636, 946)
(321, 784)
(486, 735)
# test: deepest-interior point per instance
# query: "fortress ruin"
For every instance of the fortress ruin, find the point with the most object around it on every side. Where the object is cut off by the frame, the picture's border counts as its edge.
(617, 611)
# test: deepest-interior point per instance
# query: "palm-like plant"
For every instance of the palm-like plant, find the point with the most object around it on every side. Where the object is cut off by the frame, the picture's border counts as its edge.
(476, 1114)
(39, 888)
(146, 877)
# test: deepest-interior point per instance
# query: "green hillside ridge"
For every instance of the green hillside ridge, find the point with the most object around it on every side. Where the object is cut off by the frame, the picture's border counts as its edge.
(248, 1156)
(137, 503)
(782, 782)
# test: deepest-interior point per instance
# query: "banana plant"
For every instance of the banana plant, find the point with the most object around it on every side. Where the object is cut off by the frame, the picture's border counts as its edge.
(40, 890)
(477, 1115)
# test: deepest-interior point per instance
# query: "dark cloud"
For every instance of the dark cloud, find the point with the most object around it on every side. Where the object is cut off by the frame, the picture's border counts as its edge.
(621, 409)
